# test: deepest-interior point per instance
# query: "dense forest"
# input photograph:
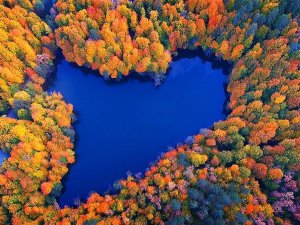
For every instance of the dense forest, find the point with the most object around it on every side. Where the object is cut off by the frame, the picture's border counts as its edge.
(244, 170)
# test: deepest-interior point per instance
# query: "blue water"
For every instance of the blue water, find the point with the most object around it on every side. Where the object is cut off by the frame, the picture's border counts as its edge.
(3, 156)
(124, 126)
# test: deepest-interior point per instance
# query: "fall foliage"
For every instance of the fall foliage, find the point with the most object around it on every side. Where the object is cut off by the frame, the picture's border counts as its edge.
(244, 170)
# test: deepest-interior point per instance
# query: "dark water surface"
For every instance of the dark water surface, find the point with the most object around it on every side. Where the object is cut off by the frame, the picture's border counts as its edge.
(3, 156)
(125, 126)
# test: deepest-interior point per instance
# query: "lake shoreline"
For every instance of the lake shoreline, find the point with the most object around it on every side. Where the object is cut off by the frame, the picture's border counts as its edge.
(70, 82)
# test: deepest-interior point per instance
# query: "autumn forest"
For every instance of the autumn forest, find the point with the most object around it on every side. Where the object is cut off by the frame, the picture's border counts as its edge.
(242, 170)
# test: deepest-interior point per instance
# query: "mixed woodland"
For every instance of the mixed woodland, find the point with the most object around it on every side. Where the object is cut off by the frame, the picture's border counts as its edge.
(243, 170)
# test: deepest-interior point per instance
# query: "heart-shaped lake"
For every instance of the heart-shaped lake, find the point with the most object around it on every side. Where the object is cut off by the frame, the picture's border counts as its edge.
(125, 126)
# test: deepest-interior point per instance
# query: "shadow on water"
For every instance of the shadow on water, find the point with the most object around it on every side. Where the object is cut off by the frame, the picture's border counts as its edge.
(216, 63)
(96, 132)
